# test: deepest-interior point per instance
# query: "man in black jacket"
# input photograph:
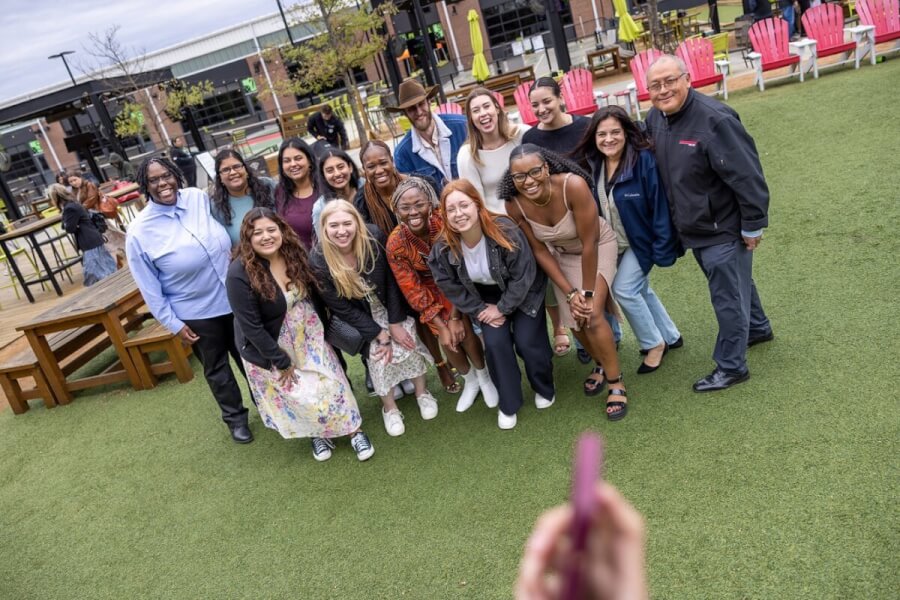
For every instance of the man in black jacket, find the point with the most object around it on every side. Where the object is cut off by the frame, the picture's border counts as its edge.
(719, 202)
(325, 125)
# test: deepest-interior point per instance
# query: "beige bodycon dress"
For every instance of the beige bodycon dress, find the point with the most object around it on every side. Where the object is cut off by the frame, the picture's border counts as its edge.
(564, 244)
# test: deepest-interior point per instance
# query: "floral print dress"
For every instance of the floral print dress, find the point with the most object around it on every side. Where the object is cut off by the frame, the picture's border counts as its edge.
(319, 402)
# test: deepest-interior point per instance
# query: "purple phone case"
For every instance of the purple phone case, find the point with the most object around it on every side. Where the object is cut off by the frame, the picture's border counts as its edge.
(585, 472)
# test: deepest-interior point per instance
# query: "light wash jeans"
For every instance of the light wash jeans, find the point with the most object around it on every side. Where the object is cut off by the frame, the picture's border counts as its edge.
(647, 316)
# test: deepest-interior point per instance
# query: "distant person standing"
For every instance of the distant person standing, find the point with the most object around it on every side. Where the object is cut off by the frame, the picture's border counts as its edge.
(719, 201)
(325, 125)
(184, 160)
(122, 169)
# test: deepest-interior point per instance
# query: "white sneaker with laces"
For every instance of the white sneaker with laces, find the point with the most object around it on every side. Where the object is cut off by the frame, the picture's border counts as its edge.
(393, 422)
(362, 446)
(505, 421)
(408, 387)
(488, 389)
(469, 392)
(428, 406)
(541, 403)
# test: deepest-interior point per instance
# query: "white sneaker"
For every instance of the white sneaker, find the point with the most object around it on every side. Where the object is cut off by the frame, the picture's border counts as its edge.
(505, 421)
(488, 389)
(428, 406)
(408, 387)
(393, 422)
(398, 392)
(469, 393)
(541, 403)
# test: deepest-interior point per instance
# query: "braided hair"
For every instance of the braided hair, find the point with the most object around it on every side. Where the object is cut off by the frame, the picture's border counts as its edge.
(143, 179)
(506, 189)
(379, 213)
(415, 183)
(221, 197)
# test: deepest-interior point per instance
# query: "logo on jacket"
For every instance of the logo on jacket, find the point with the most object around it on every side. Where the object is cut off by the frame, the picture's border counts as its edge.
(691, 143)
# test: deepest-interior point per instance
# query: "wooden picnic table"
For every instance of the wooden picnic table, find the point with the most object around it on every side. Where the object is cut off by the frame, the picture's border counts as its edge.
(604, 59)
(113, 304)
(122, 191)
(30, 232)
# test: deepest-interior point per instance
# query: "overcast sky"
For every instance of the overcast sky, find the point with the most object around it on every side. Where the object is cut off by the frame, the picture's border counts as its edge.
(32, 30)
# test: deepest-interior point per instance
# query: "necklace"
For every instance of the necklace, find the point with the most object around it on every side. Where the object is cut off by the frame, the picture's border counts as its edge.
(545, 202)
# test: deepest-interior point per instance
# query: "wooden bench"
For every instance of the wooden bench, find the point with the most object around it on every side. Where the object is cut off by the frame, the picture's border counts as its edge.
(156, 338)
(293, 124)
(505, 84)
(75, 348)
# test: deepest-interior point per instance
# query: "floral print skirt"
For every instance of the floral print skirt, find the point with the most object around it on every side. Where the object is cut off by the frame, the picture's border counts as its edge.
(319, 402)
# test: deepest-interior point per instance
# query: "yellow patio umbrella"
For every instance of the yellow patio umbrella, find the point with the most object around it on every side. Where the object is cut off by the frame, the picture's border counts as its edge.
(480, 69)
(628, 29)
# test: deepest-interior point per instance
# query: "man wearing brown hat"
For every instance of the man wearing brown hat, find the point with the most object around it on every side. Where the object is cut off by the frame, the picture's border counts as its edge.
(430, 147)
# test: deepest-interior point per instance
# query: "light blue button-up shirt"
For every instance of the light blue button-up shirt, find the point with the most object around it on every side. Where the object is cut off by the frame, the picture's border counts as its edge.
(179, 257)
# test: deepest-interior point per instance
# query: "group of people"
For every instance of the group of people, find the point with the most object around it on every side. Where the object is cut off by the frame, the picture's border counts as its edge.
(452, 251)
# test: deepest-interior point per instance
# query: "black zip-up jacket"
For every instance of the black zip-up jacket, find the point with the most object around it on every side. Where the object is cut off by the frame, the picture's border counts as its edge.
(257, 321)
(357, 312)
(521, 282)
(77, 221)
(710, 167)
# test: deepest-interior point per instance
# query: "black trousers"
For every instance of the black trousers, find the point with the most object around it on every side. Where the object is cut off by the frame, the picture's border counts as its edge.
(523, 335)
(216, 343)
(729, 271)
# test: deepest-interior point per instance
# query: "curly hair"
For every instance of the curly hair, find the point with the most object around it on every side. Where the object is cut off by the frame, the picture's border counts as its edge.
(487, 219)
(414, 183)
(506, 189)
(221, 198)
(379, 212)
(300, 276)
(326, 188)
(635, 139)
(143, 179)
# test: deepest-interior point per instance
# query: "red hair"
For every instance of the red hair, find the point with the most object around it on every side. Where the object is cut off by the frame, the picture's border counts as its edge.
(488, 219)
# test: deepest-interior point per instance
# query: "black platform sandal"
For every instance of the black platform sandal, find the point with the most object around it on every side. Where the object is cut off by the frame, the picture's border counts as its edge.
(592, 385)
(621, 407)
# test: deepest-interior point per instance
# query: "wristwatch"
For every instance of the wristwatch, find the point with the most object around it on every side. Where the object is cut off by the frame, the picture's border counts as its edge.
(587, 293)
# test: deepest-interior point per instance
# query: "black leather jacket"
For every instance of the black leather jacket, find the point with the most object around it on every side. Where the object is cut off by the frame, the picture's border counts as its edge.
(521, 282)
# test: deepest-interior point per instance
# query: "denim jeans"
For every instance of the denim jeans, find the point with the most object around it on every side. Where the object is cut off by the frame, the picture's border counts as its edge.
(787, 13)
(647, 316)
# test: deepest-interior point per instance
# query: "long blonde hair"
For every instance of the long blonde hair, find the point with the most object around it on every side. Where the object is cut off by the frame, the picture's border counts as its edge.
(506, 130)
(348, 280)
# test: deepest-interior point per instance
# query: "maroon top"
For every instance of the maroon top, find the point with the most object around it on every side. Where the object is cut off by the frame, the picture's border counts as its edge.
(298, 214)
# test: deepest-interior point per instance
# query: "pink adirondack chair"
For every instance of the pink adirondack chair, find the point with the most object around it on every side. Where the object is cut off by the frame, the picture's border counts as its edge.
(578, 92)
(770, 40)
(523, 103)
(825, 24)
(450, 108)
(699, 56)
(500, 99)
(884, 15)
(639, 64)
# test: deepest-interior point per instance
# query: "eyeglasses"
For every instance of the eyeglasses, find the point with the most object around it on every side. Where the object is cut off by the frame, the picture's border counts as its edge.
(533, 173)
(666, 83)
(166, 177)
(419, 206)
(232, 169)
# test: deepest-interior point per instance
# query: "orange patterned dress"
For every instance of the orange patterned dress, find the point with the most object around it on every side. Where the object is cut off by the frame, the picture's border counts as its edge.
(408, 256)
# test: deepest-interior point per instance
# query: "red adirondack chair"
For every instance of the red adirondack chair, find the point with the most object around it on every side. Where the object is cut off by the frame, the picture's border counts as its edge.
(825, 24)
(450, 108)
(770, 40)
(699, 56)
(500, 99)
(639, 64)
(884, 15)
(523, 103)
(578, 92)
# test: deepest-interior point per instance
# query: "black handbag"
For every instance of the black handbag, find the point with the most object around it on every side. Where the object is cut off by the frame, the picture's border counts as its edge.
(344, 336)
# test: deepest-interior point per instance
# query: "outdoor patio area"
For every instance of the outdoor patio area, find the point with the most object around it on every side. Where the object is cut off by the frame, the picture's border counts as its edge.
(783, 487)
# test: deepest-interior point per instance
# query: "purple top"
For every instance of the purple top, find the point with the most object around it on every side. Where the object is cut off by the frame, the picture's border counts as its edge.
(298, 214)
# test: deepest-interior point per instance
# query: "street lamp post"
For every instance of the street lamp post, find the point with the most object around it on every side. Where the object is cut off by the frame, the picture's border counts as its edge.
(90, 157)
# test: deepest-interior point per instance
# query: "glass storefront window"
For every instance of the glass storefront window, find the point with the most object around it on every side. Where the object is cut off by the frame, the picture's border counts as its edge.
(514, 19)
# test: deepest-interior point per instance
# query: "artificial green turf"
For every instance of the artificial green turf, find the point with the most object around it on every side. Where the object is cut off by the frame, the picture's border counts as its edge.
(784, 487)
